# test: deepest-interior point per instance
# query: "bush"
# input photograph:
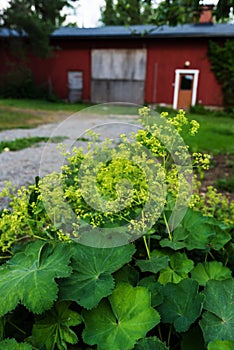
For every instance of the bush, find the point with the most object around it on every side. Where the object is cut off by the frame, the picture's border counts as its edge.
(221, 58)
(19, 83)
(75, 276)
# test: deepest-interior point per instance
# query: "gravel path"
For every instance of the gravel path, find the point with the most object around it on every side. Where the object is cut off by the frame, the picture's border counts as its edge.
(21, 167)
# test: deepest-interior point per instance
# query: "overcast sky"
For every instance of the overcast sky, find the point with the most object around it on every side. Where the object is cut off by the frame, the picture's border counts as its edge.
(87, 13)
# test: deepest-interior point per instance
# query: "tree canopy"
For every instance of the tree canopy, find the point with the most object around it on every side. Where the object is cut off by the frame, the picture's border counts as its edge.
(126, 12)
(38, 18)
(223, 8)
(171, 12)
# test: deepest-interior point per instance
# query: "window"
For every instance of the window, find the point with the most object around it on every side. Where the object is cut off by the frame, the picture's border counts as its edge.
(186, 82)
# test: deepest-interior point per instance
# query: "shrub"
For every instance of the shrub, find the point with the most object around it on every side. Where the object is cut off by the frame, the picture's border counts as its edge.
(20, 83)
(221, 58)
(67, 277)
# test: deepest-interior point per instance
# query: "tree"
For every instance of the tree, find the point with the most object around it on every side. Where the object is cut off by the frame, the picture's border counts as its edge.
(171, 12)
(108, 14)
(223, 8)
(126, 12)
(222, 64)
(37, 18)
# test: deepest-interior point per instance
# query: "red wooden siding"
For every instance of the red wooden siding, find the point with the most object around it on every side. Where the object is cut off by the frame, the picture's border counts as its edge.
(167, 56)
(164, 56)
(55, 70)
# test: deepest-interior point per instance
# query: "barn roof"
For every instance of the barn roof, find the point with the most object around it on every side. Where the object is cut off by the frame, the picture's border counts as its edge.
(6, 33)
(148, 31)
(209, 30)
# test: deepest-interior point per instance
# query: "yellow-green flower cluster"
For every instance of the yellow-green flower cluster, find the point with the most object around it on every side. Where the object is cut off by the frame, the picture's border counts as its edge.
(201, 160)
(107, 185)
(194, 127)
(214, 204)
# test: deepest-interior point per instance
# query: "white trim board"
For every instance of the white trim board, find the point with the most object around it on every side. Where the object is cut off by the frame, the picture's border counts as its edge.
(195, 72)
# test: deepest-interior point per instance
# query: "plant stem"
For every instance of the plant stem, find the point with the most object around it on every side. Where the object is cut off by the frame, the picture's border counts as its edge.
(147, 248)
(212, 255)
(169, 337)
(167, 226)
(19, 329)
(160, 333)
(149, 243)
(41, 238)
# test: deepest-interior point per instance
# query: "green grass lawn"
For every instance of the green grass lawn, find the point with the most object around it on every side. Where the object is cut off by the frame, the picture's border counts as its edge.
(43, 105)
(11, 119)
(25, 142)
(216, 134)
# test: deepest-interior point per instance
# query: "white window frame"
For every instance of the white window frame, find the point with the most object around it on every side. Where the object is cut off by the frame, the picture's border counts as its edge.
(195, 72)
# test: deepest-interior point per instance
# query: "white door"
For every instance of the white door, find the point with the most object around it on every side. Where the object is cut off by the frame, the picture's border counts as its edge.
(185, 91)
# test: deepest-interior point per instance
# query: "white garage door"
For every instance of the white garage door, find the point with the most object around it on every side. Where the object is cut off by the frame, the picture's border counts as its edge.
(118, 75)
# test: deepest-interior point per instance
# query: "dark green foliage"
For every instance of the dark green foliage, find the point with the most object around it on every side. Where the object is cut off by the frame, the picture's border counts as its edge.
(92, 270)
(218, 321)
(152, 343)
(37, 18)
(222, 64)
(222, 10)
(173, 12)
(19, 83)
(125, 12)
(226, 184)
(108, 15)
(53, 327)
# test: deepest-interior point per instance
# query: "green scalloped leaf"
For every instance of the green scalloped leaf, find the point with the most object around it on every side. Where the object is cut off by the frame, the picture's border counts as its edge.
(117, 323)
(182, 304)
(197, 232)
(155, 264)
(127, 274)
(178, 269)
(155, 289)
(29, 277)
(218, 321)
(92, 278)
(213, 270)
(53, 327)
(221, 345)
(11, 344)
(152, 343)
(194, 232)
(221, 236)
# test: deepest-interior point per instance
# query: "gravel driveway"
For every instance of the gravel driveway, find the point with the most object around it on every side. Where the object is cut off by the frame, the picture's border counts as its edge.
(21, 167)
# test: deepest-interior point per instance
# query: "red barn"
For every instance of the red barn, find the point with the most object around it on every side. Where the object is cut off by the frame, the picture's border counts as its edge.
(144, 63)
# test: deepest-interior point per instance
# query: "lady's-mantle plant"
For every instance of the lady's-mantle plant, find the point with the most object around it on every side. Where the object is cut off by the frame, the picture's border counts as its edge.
(100, 255)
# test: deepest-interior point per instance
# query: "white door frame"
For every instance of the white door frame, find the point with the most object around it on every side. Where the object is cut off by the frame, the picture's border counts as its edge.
(195, 72)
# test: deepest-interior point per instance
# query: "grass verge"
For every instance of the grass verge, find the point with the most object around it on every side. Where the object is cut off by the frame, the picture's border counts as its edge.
(26, 142)
(43, 105)
(215, 136)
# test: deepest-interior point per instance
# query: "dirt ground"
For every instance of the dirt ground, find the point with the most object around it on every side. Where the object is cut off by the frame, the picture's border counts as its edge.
(222, 167)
